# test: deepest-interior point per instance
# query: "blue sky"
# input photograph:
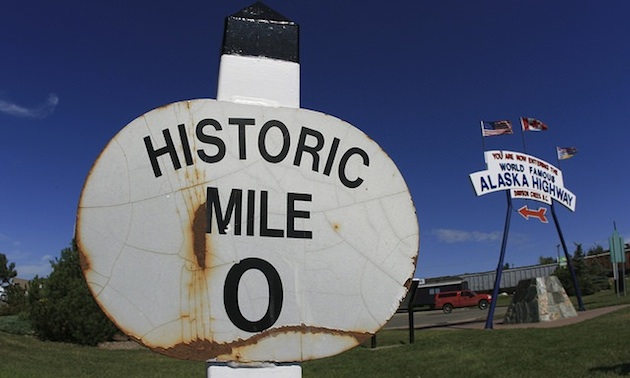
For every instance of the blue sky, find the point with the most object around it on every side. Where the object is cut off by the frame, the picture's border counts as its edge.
(416, 76)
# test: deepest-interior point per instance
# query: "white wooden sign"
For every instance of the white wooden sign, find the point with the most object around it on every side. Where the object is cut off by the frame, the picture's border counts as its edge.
(526, 176)
(215, 230)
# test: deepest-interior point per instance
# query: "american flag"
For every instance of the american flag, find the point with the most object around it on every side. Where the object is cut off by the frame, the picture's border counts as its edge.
(496, 128)
(532, 124)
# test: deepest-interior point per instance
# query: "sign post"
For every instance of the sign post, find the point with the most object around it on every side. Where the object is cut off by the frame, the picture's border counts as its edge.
(524, 176)
(618, 256)
(497, 279)
(247, 230)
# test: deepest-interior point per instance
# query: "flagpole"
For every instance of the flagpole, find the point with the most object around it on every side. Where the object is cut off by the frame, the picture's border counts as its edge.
(523, 135)
(483, 138)
(483, 143)
(557, 157)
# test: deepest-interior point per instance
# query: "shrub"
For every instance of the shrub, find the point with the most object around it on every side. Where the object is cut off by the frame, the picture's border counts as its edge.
(16, 300)
(61, 307)
(15, 295)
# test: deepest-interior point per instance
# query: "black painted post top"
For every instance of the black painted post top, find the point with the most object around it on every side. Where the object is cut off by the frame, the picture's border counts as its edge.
(260, 31)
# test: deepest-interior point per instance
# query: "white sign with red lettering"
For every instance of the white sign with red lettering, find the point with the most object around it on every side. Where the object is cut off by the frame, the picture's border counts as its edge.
(525, 176)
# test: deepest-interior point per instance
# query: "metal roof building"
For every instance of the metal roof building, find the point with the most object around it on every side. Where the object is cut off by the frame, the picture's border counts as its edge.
(509, 277)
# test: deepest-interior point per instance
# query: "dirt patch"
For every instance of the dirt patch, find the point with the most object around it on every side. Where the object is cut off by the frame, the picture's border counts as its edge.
(120, 345)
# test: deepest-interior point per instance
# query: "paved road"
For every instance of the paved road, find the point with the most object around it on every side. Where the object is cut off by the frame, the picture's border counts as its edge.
(437, 318)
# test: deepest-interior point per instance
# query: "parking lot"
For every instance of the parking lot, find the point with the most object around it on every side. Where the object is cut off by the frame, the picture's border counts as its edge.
(437, 318)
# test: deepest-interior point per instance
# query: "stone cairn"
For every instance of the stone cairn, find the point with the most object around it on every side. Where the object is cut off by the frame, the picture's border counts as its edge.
(540, 299)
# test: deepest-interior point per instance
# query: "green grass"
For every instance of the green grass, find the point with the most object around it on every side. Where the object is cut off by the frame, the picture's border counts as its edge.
(15, 324)
(596, 347)
(604, 298)
(26, 356)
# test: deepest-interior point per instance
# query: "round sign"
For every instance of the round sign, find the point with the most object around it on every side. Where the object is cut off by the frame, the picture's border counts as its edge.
(210, 229)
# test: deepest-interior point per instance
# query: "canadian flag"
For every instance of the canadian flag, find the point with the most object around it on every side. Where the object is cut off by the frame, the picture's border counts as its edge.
(532, 124)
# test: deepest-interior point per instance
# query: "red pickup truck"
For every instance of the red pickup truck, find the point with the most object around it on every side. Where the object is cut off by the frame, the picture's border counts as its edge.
(448, 300)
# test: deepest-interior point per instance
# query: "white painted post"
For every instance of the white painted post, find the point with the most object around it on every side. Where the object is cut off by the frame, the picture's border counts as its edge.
(240, 370)
(260, 59)
(259, 66)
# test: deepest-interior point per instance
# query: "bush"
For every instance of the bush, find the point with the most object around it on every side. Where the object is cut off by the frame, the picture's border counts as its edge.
(13, 294)
(16, 300)
(61, 307)
(16, 324)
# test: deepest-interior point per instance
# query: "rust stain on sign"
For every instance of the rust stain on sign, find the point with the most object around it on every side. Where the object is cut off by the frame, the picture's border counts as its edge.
(84, 261)
(202, 350)
(199, 236)
(195, 303)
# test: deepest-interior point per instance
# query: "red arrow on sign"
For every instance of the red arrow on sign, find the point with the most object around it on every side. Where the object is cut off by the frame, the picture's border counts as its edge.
(540, 213)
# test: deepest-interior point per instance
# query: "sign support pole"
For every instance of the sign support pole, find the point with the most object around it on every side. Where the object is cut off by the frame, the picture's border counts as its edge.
(624, 279)
(260, 59)
(578, 293)
(410, 314)
(259, 66)
(616, 278)
(497, 280)
(617, 258)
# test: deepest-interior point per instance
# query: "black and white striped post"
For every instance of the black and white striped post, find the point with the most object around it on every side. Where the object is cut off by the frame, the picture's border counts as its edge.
(259, 66)
(260, 62)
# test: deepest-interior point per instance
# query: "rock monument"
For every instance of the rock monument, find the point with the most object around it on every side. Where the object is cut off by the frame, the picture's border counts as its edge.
(540, 299)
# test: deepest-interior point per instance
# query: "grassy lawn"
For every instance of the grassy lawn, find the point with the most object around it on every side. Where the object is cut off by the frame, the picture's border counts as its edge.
(26, 356)
(592, 348)
(596, 347)
(604, 298)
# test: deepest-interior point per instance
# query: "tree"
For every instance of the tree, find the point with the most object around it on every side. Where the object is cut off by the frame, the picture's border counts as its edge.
(62, 307)
(598, 271)
(596, 250)
(15, 295)
(7, 271)
(590, 278)
(16, 300)
(546, 260)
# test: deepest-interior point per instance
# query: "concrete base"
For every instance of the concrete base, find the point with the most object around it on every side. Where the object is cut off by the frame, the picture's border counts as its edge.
(267, 370)
(541, 299)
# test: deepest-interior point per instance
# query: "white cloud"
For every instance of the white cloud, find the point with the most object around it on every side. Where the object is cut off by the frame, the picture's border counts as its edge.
(26, 264)
(461, 236)
(40, 111)
(41, 268)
